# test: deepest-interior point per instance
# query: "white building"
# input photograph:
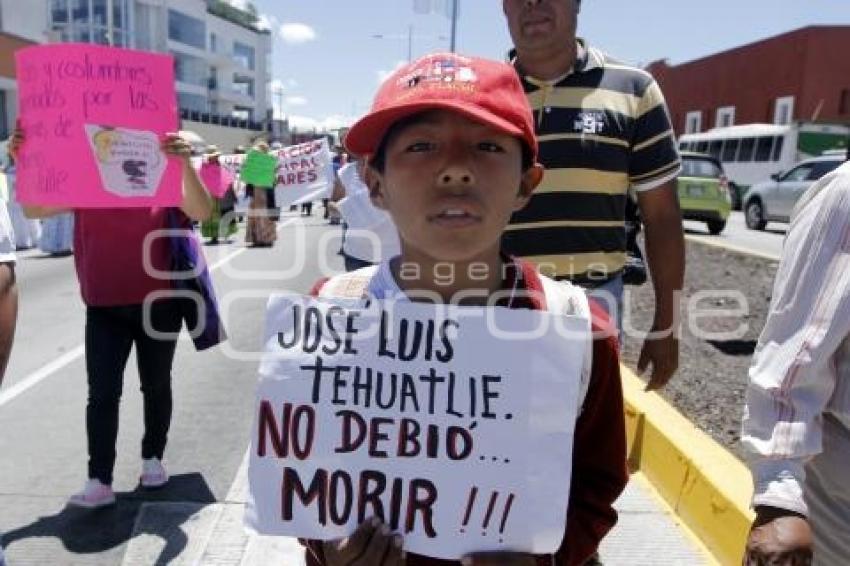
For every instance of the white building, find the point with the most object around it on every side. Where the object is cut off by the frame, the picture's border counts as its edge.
(222, 59)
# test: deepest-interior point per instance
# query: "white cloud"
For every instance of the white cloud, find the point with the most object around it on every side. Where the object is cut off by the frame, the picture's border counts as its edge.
(296, 101)
(383, 74)
(295, 33)
(306, 123)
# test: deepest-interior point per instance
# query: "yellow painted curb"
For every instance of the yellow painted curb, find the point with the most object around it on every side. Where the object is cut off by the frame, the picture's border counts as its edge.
(707, 487)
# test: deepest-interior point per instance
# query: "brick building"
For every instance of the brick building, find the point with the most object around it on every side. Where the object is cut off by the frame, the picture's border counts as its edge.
(800, 75)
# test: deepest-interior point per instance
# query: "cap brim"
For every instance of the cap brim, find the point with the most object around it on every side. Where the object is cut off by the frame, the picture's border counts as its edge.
(366, 134)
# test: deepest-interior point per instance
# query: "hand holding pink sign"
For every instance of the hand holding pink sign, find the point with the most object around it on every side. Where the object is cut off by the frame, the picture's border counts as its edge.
(93, 117)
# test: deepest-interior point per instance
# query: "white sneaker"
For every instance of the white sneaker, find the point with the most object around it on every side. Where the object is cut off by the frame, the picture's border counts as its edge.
(93, 496)
(154, 474)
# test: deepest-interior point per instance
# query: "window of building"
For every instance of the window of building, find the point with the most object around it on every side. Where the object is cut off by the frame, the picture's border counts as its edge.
(844, 102)
(763, 146)
(730, 150)
(192, 102)
(191, 70)
(87, 21)
(186, 29)
(748, 147)
(243, 86)
(213, 43)
(243, 113)
(243, 54)
(99, 9)
(59, 11)
(725, 117)
(693, 122)
(783, 110)
(80, 11)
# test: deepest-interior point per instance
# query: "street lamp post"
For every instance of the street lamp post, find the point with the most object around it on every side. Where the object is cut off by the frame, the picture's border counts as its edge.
(410, 37)
(454, 24)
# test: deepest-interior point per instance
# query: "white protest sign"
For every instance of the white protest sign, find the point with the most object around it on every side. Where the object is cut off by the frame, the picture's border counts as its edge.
(305, 173)
(454, 425)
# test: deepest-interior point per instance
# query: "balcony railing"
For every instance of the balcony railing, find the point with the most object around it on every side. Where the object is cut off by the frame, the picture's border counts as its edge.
(219, 120)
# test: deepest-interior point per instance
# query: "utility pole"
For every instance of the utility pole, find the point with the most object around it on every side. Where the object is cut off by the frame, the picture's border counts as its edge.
(454, 25)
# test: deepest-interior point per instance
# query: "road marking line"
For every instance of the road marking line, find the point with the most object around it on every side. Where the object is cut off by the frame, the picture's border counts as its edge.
(32, 379)
(71, 356)
(731, 247)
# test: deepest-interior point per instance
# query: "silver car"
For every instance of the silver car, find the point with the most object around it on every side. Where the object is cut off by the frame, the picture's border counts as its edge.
(773, 201)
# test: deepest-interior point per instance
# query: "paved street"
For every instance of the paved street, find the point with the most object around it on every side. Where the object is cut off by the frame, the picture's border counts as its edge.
(767, 243)
(42, 436)
(197, 518)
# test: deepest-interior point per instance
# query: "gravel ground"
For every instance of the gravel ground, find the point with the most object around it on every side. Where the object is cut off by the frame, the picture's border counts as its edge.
(709, 386)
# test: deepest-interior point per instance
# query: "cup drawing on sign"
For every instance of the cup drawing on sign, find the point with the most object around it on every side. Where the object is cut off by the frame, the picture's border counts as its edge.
(129, 161)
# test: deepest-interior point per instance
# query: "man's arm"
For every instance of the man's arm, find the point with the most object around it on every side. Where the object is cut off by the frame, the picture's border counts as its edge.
(665, 252)
(197, 203)
(8, 313)
(793, 375)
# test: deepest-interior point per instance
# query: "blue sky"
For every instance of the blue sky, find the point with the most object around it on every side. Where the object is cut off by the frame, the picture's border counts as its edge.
(329, 65)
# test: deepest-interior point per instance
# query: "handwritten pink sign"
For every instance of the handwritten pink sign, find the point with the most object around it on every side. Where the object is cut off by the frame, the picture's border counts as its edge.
(216, 178)
(93, 117)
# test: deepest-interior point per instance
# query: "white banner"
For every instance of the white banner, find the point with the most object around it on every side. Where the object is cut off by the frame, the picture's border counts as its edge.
(453, 425)
(305, 173)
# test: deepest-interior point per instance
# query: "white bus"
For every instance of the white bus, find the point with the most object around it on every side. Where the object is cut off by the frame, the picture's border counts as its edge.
(751, 153)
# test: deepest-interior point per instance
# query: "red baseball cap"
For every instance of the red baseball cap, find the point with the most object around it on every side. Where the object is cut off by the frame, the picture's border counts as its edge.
(483, 90)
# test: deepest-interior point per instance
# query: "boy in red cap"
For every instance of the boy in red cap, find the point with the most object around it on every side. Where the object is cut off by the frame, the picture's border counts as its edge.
(451, 155)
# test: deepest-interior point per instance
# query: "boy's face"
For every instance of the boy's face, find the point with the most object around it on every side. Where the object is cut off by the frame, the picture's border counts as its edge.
(451, 185)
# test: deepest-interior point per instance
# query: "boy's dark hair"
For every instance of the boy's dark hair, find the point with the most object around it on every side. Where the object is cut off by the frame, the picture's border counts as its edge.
(378, 161)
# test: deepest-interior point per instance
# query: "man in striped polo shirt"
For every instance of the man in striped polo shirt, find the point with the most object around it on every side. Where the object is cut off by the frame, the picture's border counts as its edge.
(603, 129)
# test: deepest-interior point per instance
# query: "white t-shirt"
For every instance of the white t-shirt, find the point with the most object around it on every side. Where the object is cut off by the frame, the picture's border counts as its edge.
(371, 234)
(7, 236)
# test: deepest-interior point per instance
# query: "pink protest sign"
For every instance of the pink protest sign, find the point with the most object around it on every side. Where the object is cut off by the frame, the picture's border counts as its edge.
(93, 118)
(216, 178)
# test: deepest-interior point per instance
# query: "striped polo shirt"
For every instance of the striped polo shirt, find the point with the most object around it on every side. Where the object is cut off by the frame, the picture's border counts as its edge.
(602, 129)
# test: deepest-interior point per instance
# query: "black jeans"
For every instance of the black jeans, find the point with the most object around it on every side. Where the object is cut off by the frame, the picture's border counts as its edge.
(110, 334)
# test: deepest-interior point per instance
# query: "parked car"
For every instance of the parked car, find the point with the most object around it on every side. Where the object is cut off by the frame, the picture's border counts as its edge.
(773, 200)
(704, 191)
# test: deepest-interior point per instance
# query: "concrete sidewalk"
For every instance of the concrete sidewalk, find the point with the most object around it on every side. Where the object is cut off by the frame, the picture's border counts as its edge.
(192, 535)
